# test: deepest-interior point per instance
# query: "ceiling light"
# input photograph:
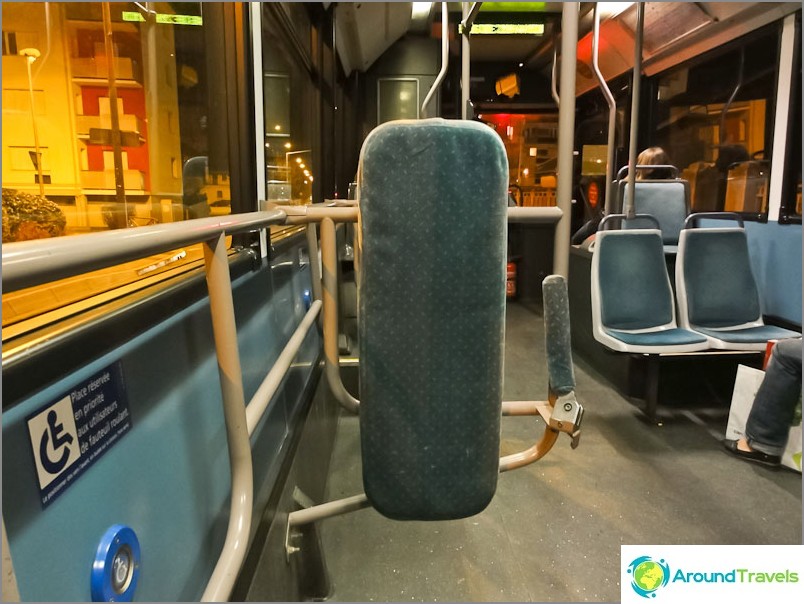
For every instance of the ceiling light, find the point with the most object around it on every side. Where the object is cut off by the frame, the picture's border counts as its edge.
(612, 9)
(421, 10)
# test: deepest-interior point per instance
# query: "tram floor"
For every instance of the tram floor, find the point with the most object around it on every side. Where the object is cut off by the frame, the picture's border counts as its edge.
(553, 530)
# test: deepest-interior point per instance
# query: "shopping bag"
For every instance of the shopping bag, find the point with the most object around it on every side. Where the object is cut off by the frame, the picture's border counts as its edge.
(746, 385)
(791, 457)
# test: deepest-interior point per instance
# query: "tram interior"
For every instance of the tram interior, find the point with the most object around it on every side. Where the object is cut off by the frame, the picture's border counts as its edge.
(248, 247)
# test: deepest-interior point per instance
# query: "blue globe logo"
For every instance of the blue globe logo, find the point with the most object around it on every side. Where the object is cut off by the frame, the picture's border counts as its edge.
(648, 575)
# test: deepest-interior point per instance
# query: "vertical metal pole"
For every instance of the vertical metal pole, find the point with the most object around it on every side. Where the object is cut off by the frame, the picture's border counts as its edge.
(444, 58)
(28, 60)
(465, 63)
(553, 90)
(628, 210)
(566, 136)
(224, 330)
(255, 21)
(117, 151)
(315, 266)
(609, 208)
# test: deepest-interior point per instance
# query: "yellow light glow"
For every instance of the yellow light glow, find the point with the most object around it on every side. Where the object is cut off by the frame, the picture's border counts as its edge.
(287, 145)
(298, 160)
(277, 127)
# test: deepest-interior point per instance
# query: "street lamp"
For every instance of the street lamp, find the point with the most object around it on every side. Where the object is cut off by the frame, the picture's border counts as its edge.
(31, 54)
(287, 158)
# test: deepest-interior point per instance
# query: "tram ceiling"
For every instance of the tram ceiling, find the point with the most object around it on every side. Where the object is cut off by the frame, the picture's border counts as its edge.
(673, 32)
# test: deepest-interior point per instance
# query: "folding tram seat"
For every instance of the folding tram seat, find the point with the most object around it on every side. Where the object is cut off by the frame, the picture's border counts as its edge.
(717, 293)
(431, 299)
(430, 256)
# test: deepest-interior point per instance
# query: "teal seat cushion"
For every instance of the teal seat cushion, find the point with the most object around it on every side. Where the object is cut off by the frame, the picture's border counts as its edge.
(665, 337)
(634, 288)
(432, 200)
(720, 287)
(557, 334)
(749, 335)
(664, 200)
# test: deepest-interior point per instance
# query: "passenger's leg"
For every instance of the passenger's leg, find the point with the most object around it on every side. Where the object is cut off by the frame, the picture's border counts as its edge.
(769, 421)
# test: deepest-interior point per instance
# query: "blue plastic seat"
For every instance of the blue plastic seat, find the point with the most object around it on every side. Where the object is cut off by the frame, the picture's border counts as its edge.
(666, 200)
(717, 293)
(633, 308)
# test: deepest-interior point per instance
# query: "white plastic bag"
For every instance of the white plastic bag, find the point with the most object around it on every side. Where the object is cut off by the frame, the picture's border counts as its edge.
(746, 385)
(792, 452)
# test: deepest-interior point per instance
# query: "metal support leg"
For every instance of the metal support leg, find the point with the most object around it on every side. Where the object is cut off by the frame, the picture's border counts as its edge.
(652, 388)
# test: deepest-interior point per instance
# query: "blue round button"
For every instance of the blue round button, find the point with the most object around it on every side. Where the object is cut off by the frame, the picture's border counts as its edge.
(117, 566)
(307, 298)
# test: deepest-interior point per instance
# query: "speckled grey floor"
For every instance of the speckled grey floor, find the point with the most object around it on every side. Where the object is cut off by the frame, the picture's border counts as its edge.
(554, 529)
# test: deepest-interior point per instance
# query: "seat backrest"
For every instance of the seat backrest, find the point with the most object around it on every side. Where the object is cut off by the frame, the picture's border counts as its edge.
(630, 285)
(714, 281)
(667, 200)
(433, 216)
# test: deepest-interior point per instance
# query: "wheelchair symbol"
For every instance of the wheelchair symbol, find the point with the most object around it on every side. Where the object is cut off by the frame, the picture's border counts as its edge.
(54, 433)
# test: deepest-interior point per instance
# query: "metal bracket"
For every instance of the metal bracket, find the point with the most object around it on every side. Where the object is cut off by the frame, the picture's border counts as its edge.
(303, 501)
(567, 416)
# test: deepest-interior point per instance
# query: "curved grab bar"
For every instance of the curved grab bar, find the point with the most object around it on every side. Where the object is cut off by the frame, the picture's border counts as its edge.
(220, 584)
(612, 217)
(609, 199)
(624, 170)
(329, 256)
(689, 223)
(444, 57)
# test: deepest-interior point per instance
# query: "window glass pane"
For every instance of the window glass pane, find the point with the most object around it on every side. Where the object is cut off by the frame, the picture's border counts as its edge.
(715, 120)
(106, 114)
(398, 99)
(290, 116)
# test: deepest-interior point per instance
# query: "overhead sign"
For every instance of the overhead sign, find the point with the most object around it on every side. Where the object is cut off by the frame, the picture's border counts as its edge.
(71, 433)
(165, 18)
(508, 28)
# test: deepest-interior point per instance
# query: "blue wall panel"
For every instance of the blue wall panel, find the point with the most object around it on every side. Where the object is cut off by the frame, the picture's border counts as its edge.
(168, 477)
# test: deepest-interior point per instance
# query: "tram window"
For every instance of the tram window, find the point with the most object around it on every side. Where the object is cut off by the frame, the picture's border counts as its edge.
(593, 160)
(107, 124)
(715, 119)
(289, 109)
(531, 144)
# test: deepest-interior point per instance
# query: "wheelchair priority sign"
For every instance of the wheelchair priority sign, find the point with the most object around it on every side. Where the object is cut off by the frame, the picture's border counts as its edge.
(68, 435)
(54, 439)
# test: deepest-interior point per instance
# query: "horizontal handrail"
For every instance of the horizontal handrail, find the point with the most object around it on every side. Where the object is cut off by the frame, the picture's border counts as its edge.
(624, 170)
(692, 219)
(542, 215)
(261, 399)
(29, 263)
(612, 217)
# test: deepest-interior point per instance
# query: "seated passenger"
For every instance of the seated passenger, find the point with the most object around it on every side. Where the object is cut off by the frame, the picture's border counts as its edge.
(769, 422)
(654, 156)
